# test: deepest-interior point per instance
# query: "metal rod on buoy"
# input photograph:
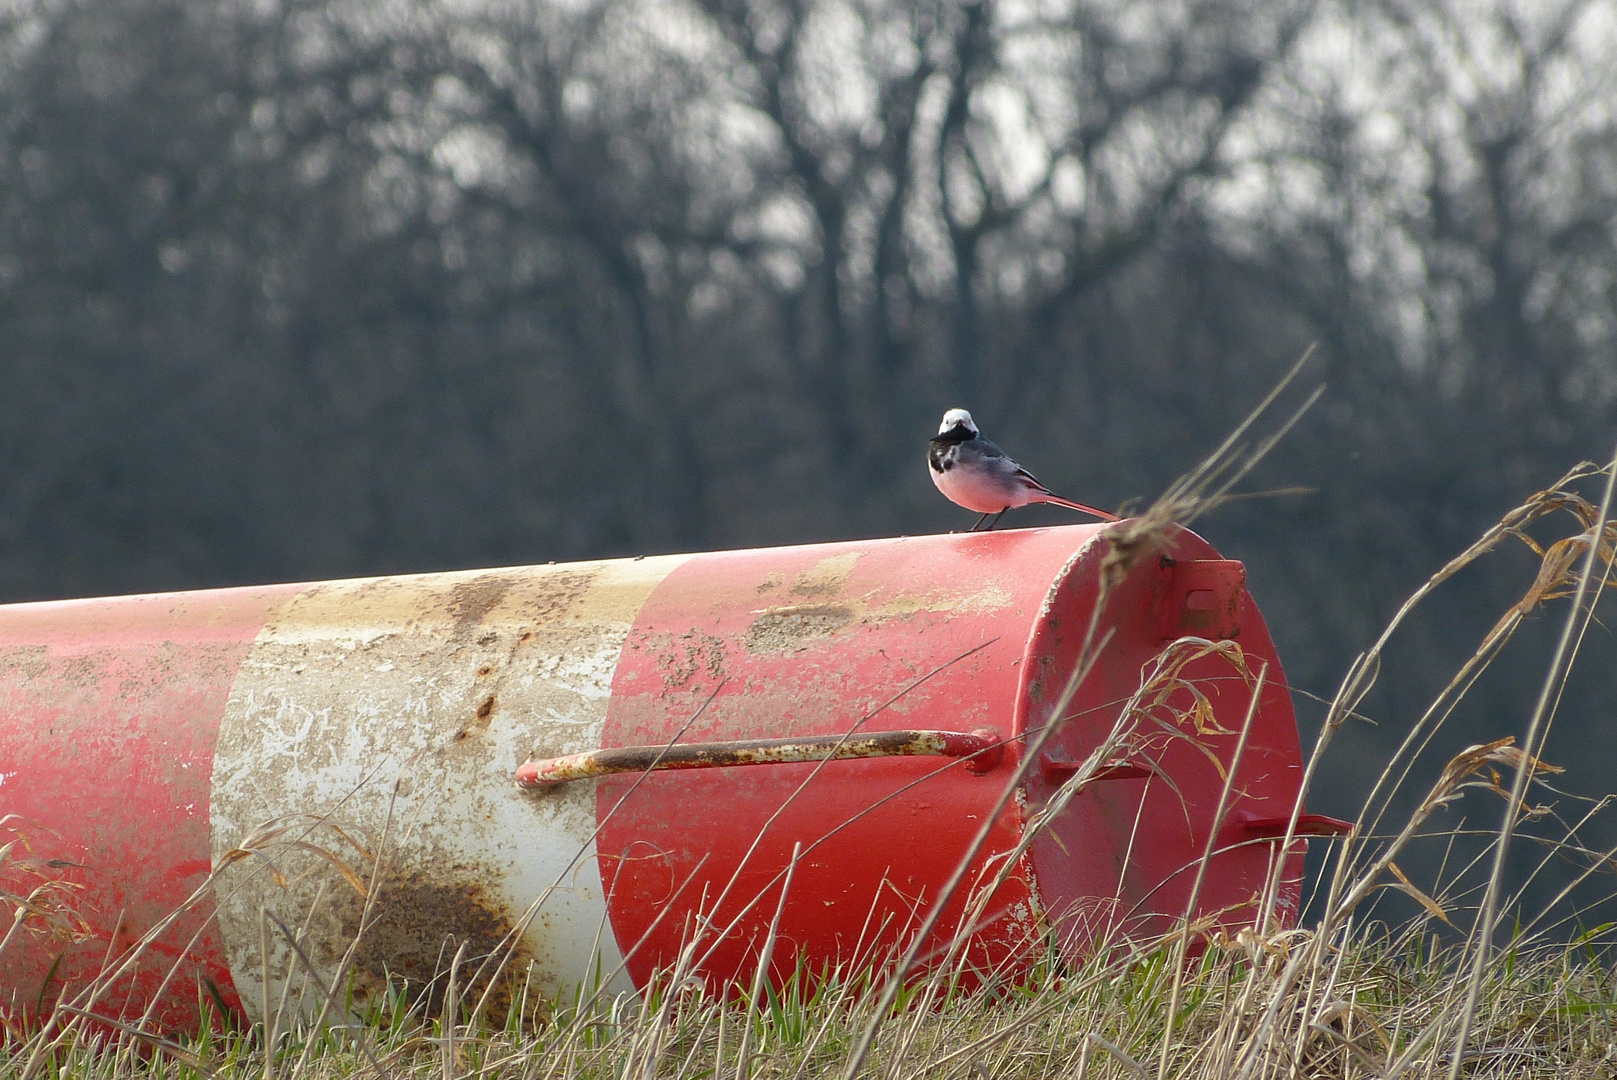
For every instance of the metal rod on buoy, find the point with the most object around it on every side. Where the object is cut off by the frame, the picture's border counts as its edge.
(983, 750)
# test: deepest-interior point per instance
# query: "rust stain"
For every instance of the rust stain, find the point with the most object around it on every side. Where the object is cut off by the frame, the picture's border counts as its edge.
(418, 924)
(787, 629)
(471, 601)
(480, 719)
(564, 591)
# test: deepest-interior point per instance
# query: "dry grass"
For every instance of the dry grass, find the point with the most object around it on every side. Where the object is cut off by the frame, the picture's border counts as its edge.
(1370, 1003)
(1436, 994)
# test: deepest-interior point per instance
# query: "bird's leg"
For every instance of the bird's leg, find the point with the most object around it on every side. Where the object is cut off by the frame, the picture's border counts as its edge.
(995, 521)
(980, 521)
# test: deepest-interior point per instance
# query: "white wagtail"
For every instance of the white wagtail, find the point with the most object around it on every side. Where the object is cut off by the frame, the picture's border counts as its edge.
(974, 473)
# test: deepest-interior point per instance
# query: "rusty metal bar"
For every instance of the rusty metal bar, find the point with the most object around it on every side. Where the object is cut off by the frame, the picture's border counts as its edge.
(983, 750)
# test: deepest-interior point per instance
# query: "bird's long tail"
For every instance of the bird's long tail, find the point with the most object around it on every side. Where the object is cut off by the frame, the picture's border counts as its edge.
(1078, 506)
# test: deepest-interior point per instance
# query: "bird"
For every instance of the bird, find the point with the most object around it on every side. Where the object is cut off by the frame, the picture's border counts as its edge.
(974, 473)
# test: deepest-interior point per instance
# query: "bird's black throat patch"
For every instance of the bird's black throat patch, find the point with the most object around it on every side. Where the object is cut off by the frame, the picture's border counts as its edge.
(958, 434)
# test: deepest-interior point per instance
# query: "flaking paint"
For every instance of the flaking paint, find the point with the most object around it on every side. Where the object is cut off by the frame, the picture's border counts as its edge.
(365, 704)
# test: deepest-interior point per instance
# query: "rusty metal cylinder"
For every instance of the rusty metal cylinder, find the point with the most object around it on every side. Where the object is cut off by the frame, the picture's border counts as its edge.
(582, 768)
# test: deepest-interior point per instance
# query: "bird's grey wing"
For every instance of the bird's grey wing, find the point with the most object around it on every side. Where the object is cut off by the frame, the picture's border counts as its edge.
(991, 457)
(980, 451)
(985, 449)
(1029, 479)
(1000, 463)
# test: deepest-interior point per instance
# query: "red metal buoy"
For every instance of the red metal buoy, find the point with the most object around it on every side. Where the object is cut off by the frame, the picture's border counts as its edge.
(590, 763)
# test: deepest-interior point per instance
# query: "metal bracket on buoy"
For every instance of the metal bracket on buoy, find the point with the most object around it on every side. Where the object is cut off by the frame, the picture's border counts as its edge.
(1056, 770)
(1306, 825)
(983, 750)
(1201, 597)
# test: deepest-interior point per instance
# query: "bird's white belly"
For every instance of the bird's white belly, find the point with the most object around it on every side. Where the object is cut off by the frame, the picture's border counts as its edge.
(980, 490)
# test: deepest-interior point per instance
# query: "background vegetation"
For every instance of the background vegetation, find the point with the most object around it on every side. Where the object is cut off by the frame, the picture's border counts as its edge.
(302, 289)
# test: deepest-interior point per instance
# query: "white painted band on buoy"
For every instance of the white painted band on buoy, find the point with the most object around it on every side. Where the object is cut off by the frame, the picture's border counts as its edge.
(391, 714)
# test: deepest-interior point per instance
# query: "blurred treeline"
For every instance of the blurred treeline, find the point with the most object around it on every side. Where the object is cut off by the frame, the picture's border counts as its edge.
(303, 289)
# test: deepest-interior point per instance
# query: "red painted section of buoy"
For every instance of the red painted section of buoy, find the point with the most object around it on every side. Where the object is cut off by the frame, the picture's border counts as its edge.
(873, 636)
(109, 712)
(939, 632)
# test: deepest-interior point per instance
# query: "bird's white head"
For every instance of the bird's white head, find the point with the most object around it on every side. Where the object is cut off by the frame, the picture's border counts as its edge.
(957, 417)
